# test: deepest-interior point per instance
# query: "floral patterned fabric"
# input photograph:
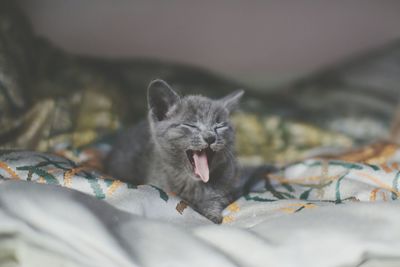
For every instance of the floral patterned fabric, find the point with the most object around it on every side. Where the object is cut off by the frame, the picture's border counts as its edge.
(328, 194)
(375, 178)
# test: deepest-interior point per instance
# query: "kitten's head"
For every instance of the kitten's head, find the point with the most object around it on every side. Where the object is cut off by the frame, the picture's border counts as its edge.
(192, 133)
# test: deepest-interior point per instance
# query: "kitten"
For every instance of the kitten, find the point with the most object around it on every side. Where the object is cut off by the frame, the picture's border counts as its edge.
(186, 146)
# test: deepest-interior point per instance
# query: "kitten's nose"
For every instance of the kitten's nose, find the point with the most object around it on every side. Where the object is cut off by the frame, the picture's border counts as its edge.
(210, 139)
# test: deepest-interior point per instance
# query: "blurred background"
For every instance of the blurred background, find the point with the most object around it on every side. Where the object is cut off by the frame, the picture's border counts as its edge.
(319, 75)
(260, 43)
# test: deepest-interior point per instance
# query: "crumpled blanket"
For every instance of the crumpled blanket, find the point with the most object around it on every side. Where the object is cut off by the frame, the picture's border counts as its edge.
(318, 212)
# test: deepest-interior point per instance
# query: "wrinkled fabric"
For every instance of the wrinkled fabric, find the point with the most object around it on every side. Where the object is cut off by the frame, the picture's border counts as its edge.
(342, 213)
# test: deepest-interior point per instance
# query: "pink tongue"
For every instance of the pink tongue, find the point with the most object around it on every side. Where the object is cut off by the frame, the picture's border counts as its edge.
(201, 165)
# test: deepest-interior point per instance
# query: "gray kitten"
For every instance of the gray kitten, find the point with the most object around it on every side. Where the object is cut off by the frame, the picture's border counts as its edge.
(186, 146)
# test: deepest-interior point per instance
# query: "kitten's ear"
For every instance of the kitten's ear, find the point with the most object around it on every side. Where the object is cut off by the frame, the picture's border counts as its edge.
(161, 98)
(231, 101)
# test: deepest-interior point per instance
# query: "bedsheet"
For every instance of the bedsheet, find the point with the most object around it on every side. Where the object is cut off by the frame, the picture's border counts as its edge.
(317, 212)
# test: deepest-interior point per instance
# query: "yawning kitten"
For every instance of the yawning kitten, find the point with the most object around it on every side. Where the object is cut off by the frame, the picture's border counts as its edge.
(186, 146)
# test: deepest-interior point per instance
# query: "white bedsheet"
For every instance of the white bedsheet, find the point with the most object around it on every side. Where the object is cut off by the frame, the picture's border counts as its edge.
(343, 220)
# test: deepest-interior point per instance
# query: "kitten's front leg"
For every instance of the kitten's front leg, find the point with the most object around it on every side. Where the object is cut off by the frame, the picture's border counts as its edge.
(212, 210)
(212, 207)
(208, 201)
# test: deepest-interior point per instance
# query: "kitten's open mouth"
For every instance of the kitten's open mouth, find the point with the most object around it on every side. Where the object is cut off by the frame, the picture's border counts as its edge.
(200, 160)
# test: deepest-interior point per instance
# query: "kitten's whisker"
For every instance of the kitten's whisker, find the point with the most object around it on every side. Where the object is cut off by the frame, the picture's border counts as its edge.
(229, 154)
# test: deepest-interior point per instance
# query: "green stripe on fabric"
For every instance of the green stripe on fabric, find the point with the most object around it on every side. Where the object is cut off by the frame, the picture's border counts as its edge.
(288, 187)
(347, 165)
(286, 194)
(374, 167)
(313, 164)
(276, 193)
(306, 194)
(94, 184)
(57, 163)
(163, 195)
(258, 199)
(98, 192)
(49, 178)
(395, 184)
(29, 177)
(108, 182)
(299, 209)
(338, 197)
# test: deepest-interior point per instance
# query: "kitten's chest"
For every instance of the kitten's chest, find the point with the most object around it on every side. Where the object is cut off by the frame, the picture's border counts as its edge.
(159, 175)
(170, 180)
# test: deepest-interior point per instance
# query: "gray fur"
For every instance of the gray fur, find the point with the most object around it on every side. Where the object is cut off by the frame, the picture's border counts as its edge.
(154, 151)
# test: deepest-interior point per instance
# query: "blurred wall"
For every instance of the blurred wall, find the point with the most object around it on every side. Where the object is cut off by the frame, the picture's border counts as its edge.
(254, 41)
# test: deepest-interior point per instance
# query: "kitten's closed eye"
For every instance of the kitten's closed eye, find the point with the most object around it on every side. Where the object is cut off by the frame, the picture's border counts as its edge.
(221, 126)
(192, 126)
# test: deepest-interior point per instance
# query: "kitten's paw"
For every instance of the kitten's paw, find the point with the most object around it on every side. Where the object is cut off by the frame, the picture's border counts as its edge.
(215, 218)
(212, 211)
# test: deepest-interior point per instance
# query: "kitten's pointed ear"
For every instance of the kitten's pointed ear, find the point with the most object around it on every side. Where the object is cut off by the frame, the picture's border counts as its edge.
(161, 98)
(231, 101)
